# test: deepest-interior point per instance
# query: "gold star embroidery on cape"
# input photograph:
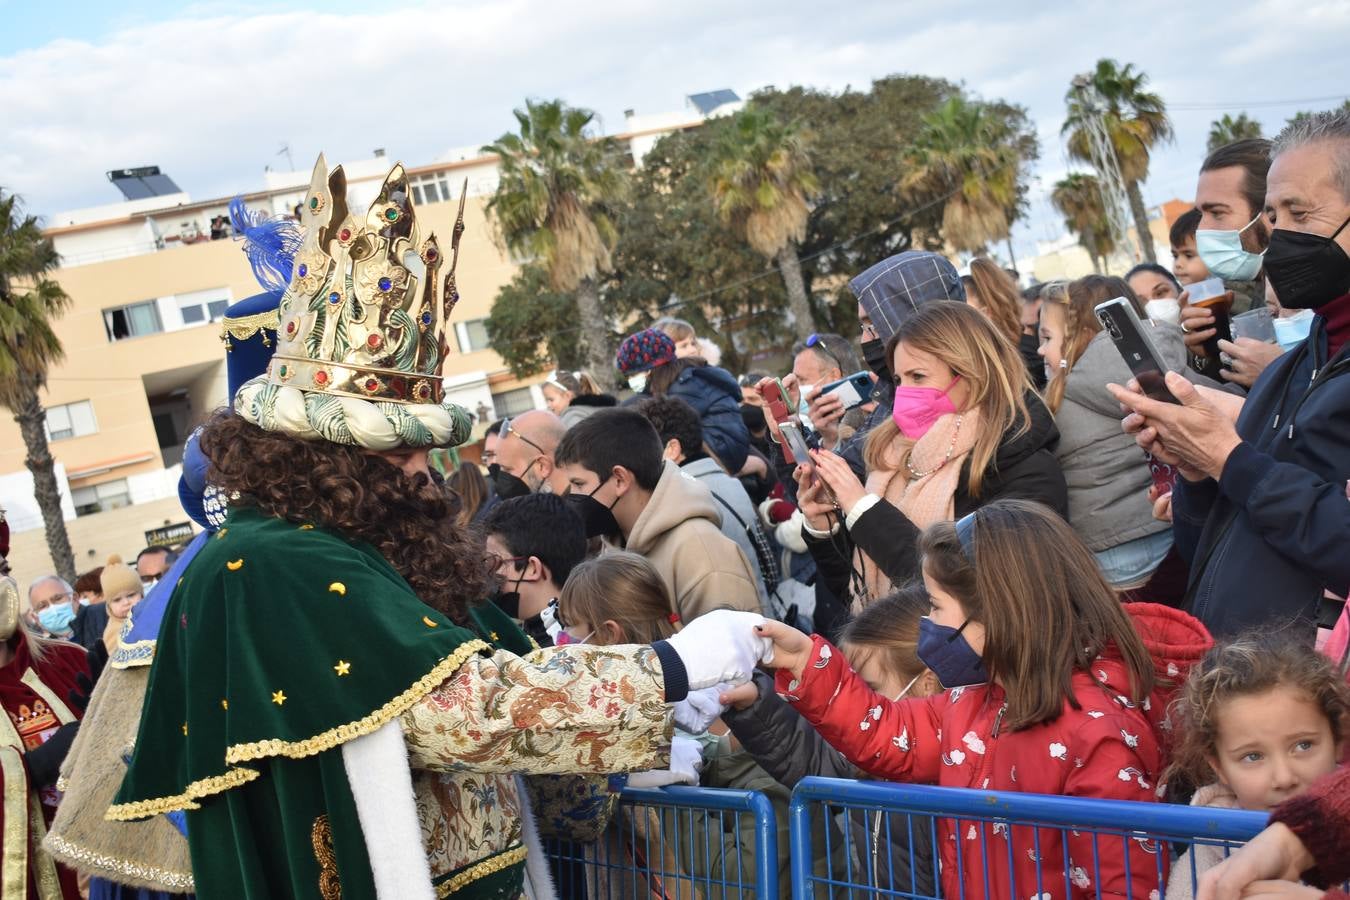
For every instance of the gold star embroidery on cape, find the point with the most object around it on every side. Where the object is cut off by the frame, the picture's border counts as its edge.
(338, 587)
(224, 704)
(493, 635)
(236, 565)
(279, 697)
(342, 668)
(184, 729)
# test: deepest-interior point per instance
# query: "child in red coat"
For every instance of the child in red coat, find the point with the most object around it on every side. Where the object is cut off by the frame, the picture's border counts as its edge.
(1054, 687)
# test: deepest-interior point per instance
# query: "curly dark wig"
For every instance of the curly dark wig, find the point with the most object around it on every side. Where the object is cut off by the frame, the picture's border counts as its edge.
(409, 519)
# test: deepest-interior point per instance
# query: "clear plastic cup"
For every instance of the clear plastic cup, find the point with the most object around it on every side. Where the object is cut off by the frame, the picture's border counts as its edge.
(1203, 290)
(1254, 324)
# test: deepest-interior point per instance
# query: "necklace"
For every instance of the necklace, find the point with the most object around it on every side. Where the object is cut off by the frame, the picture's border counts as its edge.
(915, 474)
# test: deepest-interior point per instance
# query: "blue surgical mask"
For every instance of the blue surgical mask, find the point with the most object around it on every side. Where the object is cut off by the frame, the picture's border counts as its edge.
(1293, 330)
(944, 650)
(1223, 253)
(57, 618)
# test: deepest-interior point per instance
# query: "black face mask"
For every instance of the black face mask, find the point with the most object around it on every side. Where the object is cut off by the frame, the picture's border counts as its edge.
(874, 352)
(1307, 270)
(597, 517)
(1029, 346)
(507, 485)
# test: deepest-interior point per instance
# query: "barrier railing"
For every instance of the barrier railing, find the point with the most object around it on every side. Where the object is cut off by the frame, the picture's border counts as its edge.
(999, 845)
(680, 843)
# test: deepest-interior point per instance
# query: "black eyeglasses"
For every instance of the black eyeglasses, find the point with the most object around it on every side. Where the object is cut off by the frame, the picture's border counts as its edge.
(506, 429)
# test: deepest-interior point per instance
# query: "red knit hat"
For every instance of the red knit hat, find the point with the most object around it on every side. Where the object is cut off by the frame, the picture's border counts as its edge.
(644, 351)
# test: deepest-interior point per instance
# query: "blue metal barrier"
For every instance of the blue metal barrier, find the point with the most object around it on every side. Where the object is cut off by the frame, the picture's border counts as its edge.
(675, 842)
(894, 834)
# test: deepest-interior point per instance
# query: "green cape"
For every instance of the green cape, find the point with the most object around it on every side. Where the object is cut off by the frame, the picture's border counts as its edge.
(282, 642)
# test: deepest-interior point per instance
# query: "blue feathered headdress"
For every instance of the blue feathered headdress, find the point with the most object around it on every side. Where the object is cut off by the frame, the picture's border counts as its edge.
(270, 243)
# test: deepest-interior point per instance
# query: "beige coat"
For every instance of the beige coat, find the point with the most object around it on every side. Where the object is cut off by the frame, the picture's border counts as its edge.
(680, 534)
(150, 854)
(1181, 883)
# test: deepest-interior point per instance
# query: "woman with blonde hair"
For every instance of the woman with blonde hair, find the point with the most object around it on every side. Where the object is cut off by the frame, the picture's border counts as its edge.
(1107, 476)
(572, 396)
(966, 428)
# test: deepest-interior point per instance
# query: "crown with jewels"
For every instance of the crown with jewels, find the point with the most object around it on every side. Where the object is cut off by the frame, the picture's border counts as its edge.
(361, 328)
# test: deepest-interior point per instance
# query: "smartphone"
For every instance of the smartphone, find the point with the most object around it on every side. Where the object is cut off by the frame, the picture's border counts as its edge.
(852, 391)
(796, 449)
(776, 398)
(1119, 320)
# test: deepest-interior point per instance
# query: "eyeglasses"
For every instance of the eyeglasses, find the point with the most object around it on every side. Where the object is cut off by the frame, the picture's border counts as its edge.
(506, 429)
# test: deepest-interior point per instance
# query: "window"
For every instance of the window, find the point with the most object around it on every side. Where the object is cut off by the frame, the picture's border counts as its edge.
(430, 189)
(70, 420)
(198, 307)
(132, 321)
(513, 403)
(472, 335)
(101, 497)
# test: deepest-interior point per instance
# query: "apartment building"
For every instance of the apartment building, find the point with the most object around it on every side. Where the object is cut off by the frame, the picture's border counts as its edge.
(150, 278)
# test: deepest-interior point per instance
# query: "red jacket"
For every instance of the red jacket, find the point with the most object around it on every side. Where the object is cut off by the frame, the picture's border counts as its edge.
(1110, 748)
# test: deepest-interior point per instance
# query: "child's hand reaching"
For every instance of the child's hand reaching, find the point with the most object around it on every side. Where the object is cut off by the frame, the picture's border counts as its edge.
(791, 648)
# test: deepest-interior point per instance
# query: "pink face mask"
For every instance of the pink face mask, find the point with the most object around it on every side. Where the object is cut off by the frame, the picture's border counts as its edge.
(917, 408)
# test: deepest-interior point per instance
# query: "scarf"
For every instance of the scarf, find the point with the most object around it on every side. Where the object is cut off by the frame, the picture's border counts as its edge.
(926, 499)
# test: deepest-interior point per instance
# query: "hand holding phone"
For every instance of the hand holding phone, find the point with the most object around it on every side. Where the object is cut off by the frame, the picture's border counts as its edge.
(852, 391)
(1119, 320)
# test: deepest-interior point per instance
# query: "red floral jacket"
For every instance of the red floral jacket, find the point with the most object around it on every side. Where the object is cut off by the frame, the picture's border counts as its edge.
(1109, 748)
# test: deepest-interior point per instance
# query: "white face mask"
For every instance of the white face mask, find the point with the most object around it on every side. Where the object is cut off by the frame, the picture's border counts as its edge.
(1164, 310)
(638, 383)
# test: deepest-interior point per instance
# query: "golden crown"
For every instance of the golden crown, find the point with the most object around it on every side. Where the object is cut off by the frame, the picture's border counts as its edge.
(366, 310)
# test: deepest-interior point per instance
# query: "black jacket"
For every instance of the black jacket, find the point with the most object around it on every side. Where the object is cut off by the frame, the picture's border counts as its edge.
(1269, 536)
(788, 748)
(88, 625)
(1024, 467)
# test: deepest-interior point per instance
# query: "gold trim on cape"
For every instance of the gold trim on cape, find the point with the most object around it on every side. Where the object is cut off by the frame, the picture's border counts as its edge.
(334, 737)
(216, 784)
(182, 881)
(34, 682)
(14, 851)
(481, 869)
(234, 777)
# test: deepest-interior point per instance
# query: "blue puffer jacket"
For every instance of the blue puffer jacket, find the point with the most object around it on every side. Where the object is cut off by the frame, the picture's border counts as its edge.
(1268, 536)
(714, 394)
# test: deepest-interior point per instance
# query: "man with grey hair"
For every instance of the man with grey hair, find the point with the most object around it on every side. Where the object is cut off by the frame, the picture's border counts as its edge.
(1261, 510)
(51, 606)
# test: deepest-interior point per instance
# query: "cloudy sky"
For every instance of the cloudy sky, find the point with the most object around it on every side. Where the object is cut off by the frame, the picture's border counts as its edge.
(210, 91)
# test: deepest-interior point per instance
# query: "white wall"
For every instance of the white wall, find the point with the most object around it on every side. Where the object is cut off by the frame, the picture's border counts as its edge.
(21, 509)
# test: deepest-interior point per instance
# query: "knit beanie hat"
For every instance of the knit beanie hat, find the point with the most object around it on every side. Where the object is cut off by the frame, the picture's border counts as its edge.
(119, 578)
(644, 351)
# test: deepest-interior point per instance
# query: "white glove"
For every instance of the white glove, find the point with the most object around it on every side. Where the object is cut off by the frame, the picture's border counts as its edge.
(686, 761)
(721, 646)
(699, 709)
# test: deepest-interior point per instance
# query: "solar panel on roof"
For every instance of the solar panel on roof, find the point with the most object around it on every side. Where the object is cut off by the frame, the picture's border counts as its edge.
(710, 100)
(142, 183)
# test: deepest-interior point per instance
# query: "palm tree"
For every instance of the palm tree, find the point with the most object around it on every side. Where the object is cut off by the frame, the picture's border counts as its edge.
(970, 156)
(554, 203)
(1078, 198)
(762, 182)
(1135, 120)
(1228, 129)
(29, 301)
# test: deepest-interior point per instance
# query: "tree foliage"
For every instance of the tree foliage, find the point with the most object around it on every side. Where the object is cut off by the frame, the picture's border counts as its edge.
(1228, 129)
(1078, 197)
(675, 257)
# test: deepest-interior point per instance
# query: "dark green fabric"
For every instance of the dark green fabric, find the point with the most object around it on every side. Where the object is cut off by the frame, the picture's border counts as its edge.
(272, 606)
(500, 630)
